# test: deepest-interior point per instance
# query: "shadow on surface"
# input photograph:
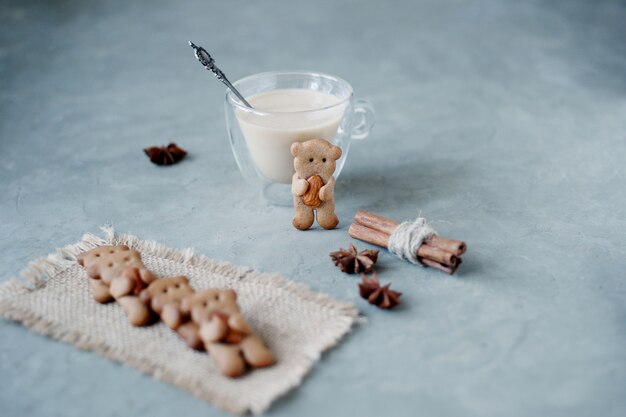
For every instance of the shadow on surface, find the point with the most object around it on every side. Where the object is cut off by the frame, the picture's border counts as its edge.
(404, 186)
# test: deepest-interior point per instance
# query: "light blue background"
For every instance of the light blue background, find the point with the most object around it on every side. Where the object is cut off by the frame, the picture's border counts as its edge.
(503, 122)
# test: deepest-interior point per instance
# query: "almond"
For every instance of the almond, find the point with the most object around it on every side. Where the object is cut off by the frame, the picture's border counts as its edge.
(312, 196)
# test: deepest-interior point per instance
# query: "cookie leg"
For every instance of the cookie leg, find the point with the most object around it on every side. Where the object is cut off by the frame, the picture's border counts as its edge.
(93, 271)
(190, 333)
(326, 216)
(228, 358)
(303, 217)
(100, 291)
(137, 312)
(256, 353)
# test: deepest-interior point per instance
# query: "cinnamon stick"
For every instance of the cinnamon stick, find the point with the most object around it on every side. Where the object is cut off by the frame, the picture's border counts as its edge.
(438, 255)
(383, 224)
(436, 265)
(379, 238)
(376, 222)
(364, 233)
(457, 247)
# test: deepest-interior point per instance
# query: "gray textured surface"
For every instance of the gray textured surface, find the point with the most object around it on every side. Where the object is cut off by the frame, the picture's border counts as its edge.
(503, 122)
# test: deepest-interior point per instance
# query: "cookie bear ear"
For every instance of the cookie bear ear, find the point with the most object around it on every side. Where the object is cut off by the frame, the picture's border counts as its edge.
(295, 148)
(229, 294)
(336, 152)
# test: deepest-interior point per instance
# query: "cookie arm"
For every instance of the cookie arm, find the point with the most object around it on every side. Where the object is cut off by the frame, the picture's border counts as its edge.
(121, 286)
(146, 276)
(171, 315)
(327, 191)
(93, 271)
(238, 323)
(214, 330)
(100, 291)
(298, 185)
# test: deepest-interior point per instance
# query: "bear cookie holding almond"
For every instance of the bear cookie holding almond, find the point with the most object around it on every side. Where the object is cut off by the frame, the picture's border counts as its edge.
(313, 184)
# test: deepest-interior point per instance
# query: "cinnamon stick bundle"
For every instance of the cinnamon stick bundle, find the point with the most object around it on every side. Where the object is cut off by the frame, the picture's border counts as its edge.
(437, 252)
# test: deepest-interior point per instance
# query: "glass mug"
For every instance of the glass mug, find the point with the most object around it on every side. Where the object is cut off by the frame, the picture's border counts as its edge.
(261, 138)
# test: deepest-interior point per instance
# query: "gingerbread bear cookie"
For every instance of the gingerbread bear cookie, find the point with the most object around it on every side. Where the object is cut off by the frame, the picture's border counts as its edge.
(117, 272)
(313, 184)
(226, 335)
(164, 297)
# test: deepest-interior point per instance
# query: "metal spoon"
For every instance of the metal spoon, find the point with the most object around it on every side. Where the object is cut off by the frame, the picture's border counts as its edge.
(209, 63)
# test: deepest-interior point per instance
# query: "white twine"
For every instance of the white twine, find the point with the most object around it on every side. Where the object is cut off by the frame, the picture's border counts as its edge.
(408, 237)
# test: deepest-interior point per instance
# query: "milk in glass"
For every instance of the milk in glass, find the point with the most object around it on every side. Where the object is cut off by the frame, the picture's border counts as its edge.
(285, 116)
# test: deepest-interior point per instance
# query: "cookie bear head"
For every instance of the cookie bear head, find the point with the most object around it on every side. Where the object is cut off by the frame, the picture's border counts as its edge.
(217, 314)
(166, 291)
(109, 262)
(204, 304)
(315, 157)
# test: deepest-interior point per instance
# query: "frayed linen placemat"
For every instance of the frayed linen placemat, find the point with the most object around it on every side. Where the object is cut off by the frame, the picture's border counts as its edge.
(296, 323)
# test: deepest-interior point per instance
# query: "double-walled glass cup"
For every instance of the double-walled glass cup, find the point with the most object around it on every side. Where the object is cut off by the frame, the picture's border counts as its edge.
(261, 139)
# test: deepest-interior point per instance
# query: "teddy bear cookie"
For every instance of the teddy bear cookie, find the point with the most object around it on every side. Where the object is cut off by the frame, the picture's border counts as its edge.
(117, 272)
(164, 297)
(313, 184)
(226, 335)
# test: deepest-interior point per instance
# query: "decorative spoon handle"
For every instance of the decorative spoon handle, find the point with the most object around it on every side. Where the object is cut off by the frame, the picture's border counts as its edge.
(209, 63)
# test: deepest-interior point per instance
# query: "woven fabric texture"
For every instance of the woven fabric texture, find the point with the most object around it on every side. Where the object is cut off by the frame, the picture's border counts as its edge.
(297, 324)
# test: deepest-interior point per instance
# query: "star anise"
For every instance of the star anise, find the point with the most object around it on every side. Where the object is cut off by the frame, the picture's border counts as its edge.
(383, 297)
(165, 155)
(351, 261)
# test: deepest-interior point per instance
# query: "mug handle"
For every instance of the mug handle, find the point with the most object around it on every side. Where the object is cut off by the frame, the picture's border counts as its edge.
(363, 119)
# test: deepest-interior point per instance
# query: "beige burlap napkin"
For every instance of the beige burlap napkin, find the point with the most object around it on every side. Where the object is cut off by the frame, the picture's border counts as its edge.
(296, 323)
